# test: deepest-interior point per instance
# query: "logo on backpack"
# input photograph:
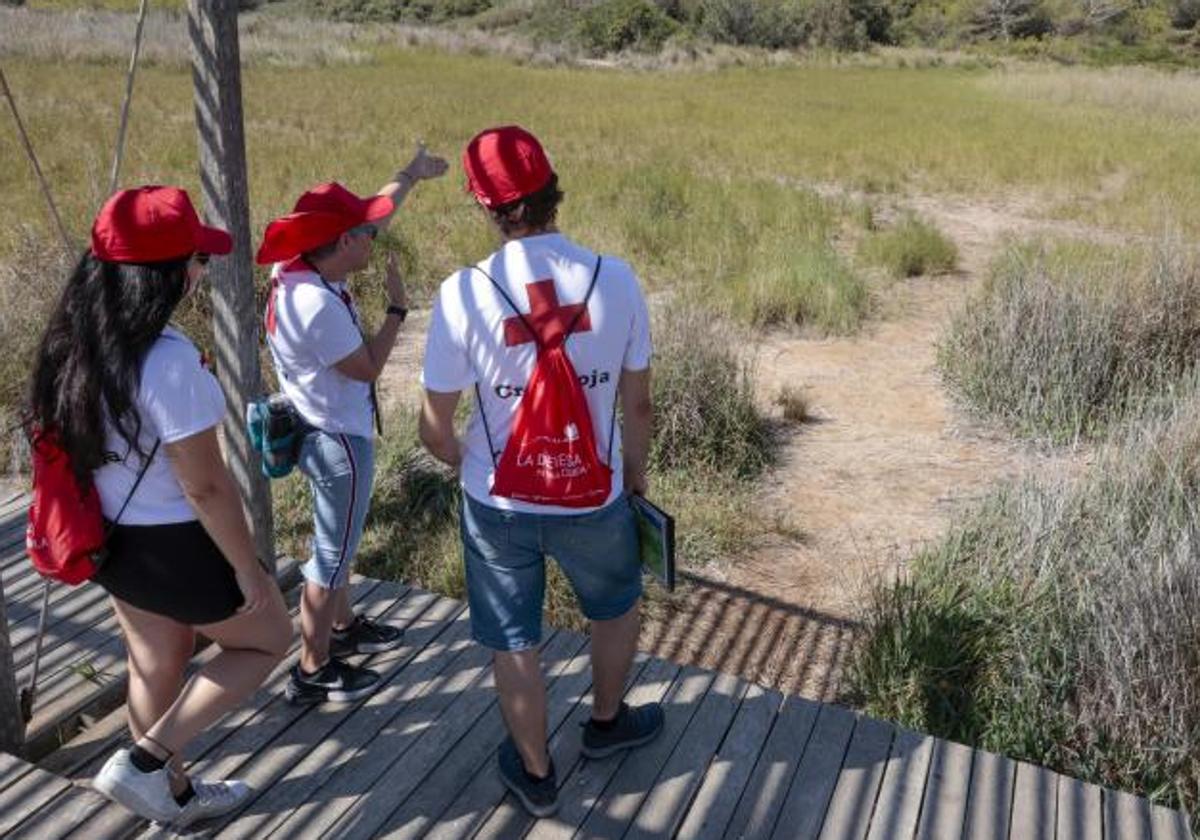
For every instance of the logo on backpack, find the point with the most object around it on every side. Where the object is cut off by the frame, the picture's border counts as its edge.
(551, 457)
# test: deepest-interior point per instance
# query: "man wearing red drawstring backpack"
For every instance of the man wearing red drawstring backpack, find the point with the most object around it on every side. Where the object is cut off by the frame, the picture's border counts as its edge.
(549, 337)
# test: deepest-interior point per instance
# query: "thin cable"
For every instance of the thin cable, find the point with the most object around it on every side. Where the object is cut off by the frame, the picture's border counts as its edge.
(37, 169)
(119, 152)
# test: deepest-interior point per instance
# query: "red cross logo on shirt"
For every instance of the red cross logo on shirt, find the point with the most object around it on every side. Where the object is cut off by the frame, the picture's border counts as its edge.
(548, 320)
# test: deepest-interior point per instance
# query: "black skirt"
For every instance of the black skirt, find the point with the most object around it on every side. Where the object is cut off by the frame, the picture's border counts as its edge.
(174, 570)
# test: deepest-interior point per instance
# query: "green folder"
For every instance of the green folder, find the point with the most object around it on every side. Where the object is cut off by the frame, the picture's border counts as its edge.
(656, 538)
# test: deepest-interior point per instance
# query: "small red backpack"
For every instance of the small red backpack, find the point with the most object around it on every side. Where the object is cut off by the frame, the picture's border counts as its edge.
(551, 457)
(65, 535)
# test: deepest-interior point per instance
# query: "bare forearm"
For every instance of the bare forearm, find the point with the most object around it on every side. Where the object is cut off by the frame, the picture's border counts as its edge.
(635, 439)
(443, 445)
(380, 345)
(397, 190)
(218, 506)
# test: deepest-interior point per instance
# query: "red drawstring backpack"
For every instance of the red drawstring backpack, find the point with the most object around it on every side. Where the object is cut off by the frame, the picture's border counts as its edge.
(65, 536)
(550, 457)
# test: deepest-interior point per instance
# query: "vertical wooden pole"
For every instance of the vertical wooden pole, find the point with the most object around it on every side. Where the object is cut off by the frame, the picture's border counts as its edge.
(12, 724)
(217, 84)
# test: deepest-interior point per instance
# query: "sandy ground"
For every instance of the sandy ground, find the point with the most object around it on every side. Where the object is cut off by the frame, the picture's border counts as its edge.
(881, 469)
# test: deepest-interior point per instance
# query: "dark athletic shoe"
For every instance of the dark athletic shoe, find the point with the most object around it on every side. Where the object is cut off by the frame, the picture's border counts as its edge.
(539, 796)
(336, 682)
(635, 726)
(364, 636)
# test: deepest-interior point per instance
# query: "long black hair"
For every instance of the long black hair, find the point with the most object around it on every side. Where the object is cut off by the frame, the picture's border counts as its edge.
(88, 366)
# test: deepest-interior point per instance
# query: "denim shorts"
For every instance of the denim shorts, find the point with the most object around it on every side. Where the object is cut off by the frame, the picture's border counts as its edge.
(505, 557)
(340, 469)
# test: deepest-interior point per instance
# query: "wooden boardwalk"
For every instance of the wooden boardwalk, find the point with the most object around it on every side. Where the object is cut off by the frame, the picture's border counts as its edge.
(416, 759)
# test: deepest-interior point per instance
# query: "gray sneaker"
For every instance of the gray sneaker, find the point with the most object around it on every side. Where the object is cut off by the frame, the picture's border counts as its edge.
(146, 794)
(539, 796)
(633, 727)
(212, 799)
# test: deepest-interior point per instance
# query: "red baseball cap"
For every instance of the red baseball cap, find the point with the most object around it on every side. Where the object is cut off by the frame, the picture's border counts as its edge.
(321, 215)
(153, 224)
(504, 165)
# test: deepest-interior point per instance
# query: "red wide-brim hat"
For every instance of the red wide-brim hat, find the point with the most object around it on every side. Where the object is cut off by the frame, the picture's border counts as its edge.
(321, 215)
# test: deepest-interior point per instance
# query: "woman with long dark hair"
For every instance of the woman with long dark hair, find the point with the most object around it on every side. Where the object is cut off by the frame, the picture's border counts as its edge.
(130, 399)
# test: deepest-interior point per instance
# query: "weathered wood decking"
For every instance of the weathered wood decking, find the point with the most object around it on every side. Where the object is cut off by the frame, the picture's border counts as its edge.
(416, 759)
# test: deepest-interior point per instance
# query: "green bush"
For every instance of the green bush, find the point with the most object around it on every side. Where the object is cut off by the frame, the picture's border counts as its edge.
(807, 283)
(1058, 622)
(408, 11)
(910, 248)
(1061, 341)
(614, 25)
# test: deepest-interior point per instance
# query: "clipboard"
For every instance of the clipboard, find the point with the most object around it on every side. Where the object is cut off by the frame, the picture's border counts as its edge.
(656, 540)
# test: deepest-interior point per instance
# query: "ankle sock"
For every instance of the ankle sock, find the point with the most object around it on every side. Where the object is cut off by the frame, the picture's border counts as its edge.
(605, 725)
(144, 760)
(535, 778)
(185, 796)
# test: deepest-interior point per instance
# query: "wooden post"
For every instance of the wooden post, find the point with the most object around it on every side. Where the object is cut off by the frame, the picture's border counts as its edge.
(12, 724)
(217, 83)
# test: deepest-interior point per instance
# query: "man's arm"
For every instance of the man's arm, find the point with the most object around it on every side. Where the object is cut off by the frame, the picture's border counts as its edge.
(636, 425)
(436, 427)
(366, 363)
(423, 166)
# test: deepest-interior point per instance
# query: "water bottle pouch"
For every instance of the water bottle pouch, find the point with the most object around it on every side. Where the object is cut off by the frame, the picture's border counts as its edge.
(276, 431)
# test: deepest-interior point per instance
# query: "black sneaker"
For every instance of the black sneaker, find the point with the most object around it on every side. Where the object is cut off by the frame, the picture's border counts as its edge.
(633, 726)
(336, 682)
(364, 636)
(539, 796)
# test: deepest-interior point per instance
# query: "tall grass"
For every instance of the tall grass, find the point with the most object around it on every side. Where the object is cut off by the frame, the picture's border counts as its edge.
(911, 247)
(1058, 622)
(1062, 340)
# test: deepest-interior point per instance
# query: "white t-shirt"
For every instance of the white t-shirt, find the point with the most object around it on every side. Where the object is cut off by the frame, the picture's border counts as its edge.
(315, 328)
(177, 398)
(466, 346)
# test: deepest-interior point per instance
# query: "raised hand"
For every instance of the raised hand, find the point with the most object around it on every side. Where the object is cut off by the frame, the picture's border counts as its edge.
(424, 165)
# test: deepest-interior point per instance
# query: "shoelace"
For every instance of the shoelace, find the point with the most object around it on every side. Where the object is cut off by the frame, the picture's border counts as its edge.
(213, 793)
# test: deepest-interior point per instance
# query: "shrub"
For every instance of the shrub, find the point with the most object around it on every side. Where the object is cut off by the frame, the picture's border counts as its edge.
(802, 283)
(911, 248)
(705, 413)
(614, 25)
(1060, 342)
(1058, 622)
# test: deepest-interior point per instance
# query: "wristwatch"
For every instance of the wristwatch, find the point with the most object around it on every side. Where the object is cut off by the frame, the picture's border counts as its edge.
(399, 311)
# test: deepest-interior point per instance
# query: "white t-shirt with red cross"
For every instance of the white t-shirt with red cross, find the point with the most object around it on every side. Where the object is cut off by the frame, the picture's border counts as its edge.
(475, 339)
(311, 325)
(176, 398)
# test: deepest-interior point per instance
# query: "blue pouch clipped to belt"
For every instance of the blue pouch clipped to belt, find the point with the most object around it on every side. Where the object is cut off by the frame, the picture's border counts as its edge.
(275, 430)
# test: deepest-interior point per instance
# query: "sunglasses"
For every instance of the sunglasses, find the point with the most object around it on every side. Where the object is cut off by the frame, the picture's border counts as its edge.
(364, 230)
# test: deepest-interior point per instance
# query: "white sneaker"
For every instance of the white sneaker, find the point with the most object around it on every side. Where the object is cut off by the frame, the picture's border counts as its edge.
(146, 794)
(212, 799)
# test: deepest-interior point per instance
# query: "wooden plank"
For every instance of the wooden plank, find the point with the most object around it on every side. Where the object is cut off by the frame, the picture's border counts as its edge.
(1034, 803)
(1126, 817)
(621, 799)
(373, 806)
(26, 796)
(899, 803)
(567, 677)
(509, 820)
(63, 625)
(12, 769)
(771, 780)
(426, 688)
(848, 816)
(990, 798)
(1168, 824)
(582, 787)
(665, 806)
(94, 741)
(61, 816)
(116, 821)
(712, 808)
(803, 810)
(477, 801)
(330, 737)
(1080, 814)
(944, 807)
